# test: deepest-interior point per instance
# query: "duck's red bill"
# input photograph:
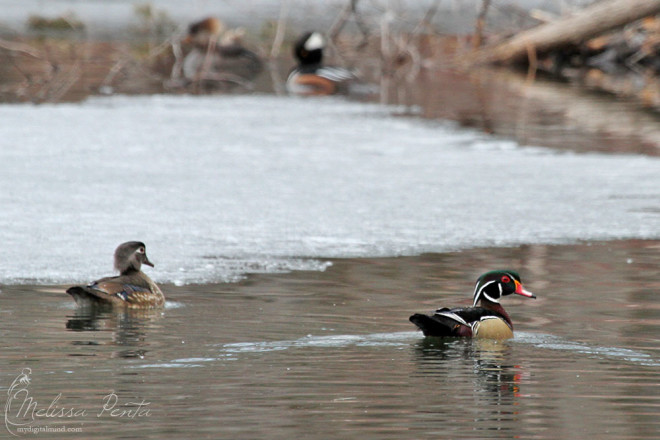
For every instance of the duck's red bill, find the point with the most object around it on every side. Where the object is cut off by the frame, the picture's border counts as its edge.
(520, 290)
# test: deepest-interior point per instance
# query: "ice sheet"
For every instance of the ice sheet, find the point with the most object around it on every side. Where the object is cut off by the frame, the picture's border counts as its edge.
(224, 185)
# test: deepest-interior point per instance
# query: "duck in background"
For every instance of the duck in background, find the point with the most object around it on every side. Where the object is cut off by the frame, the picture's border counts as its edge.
(487, 321)
(217, 56)
(131, 289)
(311, 77)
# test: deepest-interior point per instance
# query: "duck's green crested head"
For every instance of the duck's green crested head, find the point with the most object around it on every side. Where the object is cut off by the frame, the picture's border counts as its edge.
(495, 284)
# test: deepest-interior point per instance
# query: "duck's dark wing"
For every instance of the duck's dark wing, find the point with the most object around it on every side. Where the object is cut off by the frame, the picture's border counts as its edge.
(113, 290)
(239, 61)
(447, 322)
(441, 325)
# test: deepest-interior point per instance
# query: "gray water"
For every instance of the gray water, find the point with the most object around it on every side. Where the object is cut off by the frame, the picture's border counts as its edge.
(322, 355)
(374, 216)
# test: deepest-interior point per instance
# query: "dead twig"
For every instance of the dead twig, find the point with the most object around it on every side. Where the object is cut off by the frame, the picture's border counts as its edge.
(480, 24)
(532, 59)
(350, 10)
(26, 49)
(280, 31)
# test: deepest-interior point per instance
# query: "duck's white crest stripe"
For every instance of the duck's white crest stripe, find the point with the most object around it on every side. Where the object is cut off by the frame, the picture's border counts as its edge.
(495, 300)
(477, 293)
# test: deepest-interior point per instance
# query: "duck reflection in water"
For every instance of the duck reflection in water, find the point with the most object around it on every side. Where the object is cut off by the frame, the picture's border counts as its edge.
(484, 365)
(129, 328)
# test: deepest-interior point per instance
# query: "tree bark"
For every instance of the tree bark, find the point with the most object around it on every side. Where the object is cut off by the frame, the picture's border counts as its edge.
(575, 29)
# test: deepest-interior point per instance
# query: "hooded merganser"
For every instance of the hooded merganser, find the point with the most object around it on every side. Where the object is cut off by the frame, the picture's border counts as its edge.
(132, 288)
(488, 321)
(311, 77)
(217, 54)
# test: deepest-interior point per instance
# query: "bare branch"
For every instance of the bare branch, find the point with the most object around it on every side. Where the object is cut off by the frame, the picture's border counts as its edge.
(13, 46)
(280, 31)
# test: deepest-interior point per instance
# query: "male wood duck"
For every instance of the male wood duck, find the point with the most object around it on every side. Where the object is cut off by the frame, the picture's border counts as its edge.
(311, 77)
(217, 55)
(132, 288)
(488, 321)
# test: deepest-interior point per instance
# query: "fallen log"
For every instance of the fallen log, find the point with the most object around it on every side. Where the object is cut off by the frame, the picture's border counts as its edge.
(590, 22)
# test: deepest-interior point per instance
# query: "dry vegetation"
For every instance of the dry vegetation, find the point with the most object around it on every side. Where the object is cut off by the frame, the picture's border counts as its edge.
(56, 62)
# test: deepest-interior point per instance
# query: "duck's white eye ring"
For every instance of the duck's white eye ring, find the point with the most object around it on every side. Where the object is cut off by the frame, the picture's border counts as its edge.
(141, 250)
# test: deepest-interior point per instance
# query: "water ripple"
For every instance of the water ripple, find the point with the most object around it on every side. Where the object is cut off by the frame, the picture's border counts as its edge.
(398, 339)
(551, 342)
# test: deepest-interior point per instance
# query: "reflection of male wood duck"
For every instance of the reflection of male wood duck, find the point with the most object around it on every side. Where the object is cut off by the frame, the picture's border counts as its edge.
(489, 320)
(311, 77)
(217, 54)
(132, 288)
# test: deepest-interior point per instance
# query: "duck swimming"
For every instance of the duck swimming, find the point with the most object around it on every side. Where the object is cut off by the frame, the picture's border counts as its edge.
(217, 56)
(311, 77)
(489, 320)
(132, 288)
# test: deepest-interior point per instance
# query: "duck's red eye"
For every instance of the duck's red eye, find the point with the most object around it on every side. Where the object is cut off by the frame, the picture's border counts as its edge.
(141, 250)
(506, 279)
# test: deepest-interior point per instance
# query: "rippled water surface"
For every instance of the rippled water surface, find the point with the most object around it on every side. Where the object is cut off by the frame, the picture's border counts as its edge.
(374, 216)
(331, 354)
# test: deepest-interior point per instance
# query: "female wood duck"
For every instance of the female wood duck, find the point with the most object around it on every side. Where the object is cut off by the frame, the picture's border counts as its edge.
(216, 55)
(132, 288)
(489, 321)
(310, 77)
